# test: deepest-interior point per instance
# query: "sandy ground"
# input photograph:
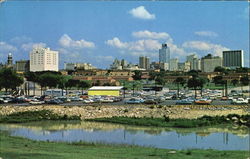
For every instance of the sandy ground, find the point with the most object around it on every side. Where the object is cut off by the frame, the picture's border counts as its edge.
(176, 111)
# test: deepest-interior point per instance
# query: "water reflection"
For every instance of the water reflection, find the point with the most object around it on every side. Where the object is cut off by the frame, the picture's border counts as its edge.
(220, 137)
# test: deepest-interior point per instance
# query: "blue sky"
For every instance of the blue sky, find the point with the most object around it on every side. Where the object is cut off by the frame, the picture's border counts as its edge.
(98, 32)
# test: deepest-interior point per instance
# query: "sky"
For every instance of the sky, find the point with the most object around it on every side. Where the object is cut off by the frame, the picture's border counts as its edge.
(97, 32)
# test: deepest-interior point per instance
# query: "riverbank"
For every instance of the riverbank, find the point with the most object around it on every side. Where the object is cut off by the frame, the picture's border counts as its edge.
(18, 147)
(154, 111)
(179, 123)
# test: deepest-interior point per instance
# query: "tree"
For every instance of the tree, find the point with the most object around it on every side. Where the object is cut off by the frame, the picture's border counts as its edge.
(178, 81)
(33, 77)
(193, 73)
(244, 81)
(193, 83)
(220, 69)
(62, 82)
(137, 75)
(202, 82)
(218, 80)
(9, 79)
(235, 82)
(84, 85)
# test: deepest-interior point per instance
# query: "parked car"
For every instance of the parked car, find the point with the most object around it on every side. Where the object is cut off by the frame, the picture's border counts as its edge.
(224, 98)
(88, 101)
(203, 101)
(36, 102)
(240, 101)
(150, 101)
(134, 101)
(184, 101)
(106, 100)
(54, 101)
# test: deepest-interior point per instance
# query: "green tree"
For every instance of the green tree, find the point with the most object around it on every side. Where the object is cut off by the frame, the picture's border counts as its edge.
(221, 69)
(244, 81)
(235, 82)
(62, 82)
(9, 79)
(218, 80)
(179, 81)
(33, 77)
(84, 85)
(193, 83)
(137, 75)
(202, 82)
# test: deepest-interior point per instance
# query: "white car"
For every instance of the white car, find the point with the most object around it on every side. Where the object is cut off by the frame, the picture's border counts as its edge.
(88, 101)
(240, 101)
(36, 102)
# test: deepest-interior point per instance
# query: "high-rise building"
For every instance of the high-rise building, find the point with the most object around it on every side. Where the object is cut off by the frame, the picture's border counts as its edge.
(144, 62)
(164, 54)
(194, 62)
(173, 66)
(22, 66)
(185, 66)
(10, 60)
(209, 62)
(43, 59)
(233, 58)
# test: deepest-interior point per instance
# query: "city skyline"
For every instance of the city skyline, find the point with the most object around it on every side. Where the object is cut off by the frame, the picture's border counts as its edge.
(123, 29)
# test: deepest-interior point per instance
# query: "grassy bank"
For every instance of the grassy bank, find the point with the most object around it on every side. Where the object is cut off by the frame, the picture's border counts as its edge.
(28, 116)
(19, 148)
(181, 123)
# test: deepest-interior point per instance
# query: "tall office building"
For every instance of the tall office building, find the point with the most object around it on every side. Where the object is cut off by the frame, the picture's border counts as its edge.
(209, 62)
(164, 54)
(144, 62)
(173, 65)
(233, 59)
(194, 62)
(43, 59)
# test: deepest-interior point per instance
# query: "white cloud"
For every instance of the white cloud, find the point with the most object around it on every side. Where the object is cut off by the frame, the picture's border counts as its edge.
(6, 48)
(140, 45)
(21, 40)
(115, 42)
(151, 35)
(206, 33)
(141, 13)
(104, 58)
(31, 45)
(66, 42)
(215, 49)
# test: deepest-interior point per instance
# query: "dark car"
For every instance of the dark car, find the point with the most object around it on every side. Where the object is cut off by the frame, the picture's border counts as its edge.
(54, 101)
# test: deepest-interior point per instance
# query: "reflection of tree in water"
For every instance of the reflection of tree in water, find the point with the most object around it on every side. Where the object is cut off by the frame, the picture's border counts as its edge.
(54, 126)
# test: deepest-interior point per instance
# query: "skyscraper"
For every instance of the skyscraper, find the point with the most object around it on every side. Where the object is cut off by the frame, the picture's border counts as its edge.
(173, 64)
(233, 59)
(164, 54)
(194, 62)
(43, 59)
(144, 62)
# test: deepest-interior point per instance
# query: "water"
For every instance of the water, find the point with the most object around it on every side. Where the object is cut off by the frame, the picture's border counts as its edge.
(220, 137)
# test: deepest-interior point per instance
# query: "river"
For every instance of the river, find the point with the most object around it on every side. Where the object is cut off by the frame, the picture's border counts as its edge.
(219, 137)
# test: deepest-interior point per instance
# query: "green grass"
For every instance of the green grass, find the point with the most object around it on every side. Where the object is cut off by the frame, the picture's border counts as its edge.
(180, 123)
(28, 116)
(21, 148)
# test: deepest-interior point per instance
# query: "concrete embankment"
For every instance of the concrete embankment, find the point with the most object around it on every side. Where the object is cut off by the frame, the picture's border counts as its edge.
(176, 111)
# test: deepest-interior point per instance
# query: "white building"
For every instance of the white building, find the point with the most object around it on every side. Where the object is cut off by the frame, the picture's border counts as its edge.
(195, 63)
(43, 59)
(173, 64)
(209, 63)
